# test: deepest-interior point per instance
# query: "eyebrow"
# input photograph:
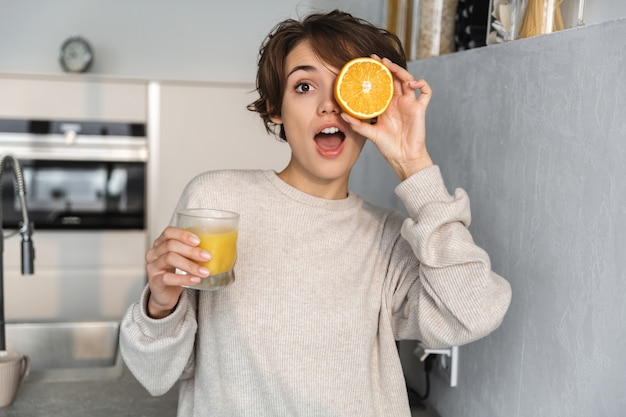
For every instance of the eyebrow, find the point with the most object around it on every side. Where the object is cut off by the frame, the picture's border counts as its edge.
(301, 68)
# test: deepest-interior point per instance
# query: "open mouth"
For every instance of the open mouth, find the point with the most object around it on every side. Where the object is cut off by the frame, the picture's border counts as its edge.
(329, 140)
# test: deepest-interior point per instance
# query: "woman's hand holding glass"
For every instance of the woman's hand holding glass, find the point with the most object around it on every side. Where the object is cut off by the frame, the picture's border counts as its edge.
(174, 249)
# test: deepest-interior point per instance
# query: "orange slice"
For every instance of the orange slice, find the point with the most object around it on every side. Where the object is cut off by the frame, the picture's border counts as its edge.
(364, 88)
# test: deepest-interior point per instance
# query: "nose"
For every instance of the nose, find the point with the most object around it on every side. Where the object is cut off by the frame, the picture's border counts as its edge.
(329, 104)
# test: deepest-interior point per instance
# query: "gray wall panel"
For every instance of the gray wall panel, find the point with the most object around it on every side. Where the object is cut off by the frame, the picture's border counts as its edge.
(535, 131)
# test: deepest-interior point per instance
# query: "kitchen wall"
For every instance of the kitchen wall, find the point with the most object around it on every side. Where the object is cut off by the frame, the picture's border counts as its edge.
(535, 131)
(200, 40)
(598, 11)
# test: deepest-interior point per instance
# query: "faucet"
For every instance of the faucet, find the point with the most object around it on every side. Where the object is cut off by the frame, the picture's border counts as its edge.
(26, 229)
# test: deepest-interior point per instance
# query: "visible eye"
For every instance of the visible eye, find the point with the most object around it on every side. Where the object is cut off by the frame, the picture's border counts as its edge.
(304, 87)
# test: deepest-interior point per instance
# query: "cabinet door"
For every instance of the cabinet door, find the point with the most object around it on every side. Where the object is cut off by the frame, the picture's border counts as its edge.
(72, 98)
(79, 276)
(204, 127)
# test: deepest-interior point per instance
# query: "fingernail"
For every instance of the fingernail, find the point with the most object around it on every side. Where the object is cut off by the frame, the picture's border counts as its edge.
(195, 280)
(205, 255)
(204, 272)
(194, 239)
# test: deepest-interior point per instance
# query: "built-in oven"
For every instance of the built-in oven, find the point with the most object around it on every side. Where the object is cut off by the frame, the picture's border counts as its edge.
(78, 175)
(85, 184)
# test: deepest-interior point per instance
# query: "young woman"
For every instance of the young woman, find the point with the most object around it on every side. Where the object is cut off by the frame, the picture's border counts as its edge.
(326, 283)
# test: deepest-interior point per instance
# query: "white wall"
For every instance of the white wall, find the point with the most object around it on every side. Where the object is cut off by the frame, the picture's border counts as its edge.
(203, 40)
(598, 11)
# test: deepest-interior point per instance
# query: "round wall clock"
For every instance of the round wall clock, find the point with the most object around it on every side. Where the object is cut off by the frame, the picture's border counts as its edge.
(76, 55)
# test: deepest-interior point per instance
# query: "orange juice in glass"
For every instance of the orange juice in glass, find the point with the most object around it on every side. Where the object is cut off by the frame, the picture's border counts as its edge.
(217, 230)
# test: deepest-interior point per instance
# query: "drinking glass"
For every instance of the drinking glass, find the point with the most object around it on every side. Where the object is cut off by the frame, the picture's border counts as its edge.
(217, 230)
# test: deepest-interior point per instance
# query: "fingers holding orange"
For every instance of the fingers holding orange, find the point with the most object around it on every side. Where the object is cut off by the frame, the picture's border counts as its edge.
(364, 87)
(426, 92)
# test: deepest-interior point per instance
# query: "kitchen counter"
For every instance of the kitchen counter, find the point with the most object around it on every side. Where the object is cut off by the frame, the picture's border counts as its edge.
(119, 397)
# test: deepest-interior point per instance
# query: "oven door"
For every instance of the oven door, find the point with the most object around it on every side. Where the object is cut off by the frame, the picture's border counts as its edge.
(78, 195)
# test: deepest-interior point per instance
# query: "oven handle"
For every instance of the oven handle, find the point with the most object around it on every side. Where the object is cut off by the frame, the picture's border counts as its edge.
(80, 148)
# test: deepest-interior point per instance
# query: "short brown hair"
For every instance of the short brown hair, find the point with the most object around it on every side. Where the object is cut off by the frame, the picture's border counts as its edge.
(336, 37)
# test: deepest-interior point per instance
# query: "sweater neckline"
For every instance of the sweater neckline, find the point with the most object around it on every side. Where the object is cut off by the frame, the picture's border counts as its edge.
(308, 199)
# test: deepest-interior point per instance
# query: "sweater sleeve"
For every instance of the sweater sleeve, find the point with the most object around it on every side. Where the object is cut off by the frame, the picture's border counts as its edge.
(449, 296)
(159, 352)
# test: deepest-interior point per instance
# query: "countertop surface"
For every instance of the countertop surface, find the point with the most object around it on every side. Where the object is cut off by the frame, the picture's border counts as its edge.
(119, 397)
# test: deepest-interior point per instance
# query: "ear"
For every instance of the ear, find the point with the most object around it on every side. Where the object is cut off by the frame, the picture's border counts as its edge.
(275, 119)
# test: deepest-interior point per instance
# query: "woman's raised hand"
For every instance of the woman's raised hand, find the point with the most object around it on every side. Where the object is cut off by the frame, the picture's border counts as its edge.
(400, 132)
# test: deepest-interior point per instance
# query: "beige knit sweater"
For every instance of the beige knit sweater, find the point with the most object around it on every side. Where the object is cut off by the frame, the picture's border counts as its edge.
(324, 288)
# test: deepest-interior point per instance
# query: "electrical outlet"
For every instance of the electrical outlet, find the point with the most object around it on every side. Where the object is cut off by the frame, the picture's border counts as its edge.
(446, 364)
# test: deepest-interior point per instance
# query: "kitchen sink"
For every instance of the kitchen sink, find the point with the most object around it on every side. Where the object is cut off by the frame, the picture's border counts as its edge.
(68, 351)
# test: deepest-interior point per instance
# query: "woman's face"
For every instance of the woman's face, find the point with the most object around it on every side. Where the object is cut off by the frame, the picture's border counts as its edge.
(323, 147)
